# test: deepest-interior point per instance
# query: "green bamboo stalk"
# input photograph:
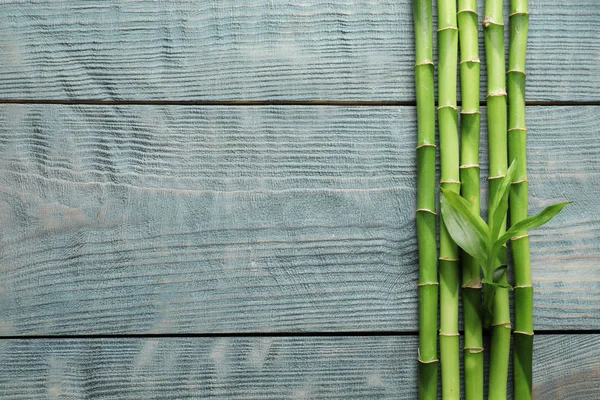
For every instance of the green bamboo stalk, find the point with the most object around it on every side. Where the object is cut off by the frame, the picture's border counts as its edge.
(469, 176)
(493, 25)
(519, 202)
(426, 217)
(450, 179)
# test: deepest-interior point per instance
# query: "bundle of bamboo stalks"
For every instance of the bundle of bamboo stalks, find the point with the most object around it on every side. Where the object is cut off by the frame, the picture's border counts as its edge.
(483, 260)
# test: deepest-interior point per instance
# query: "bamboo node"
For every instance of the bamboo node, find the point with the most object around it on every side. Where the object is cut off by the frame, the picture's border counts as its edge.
(424, 63)
(467, 10)
(524, 287)
(522, 180)
(487, 21)
(426, 145)
(448, 106)
(448, 259)
(449, 27)
(466, 166)
(516, 71)
(505, 324)
(500, 93)
(428, 284)
(515, 238)
(427, 362)
(518, 13)
(469, 285)
(522, 333)
(474, 112)
(427, 210)
(449, 334)
(491, 178)
(450, 181)
(524, 130)
(474, 350)
(471, 60)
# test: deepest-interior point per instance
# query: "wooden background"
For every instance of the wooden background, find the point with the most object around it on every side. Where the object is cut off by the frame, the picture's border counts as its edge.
(215, 199)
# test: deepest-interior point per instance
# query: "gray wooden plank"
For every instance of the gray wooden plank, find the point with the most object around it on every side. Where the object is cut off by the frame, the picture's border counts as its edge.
(340, 50)
(163, 219)
(383, 367)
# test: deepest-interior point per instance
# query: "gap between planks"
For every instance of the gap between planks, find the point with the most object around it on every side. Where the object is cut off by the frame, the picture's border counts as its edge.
(246, 103)
(546, 332)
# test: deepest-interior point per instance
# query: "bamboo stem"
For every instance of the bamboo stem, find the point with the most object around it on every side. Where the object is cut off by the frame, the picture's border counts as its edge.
(450, 179)
(519, 202)
(426, 218)
(469, 176)
(493, 25)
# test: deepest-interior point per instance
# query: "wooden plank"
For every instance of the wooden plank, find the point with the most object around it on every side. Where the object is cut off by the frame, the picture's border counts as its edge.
(340, 50)
(383, 367)
(163, 219)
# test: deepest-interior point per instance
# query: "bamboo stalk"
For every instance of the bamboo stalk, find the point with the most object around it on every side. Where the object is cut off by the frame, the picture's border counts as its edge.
(519, 202)
(450, 179)
(493, 25)
(469, 176)
(426, 217)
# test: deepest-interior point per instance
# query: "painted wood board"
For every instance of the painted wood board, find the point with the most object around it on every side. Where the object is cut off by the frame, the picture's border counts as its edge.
(339, 50)
(183, 219)
(381, 367)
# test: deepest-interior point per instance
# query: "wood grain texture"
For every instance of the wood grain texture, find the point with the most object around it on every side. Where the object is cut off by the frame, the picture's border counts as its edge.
(339, 50)
(166, 219)
(384, 367)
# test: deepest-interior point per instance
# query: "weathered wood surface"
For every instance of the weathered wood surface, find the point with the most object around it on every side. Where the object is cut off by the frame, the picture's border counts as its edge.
(339, 50)
(384, 367)
(183, 219)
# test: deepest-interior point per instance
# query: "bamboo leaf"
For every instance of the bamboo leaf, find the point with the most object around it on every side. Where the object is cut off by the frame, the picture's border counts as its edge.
(497, 284)
(500, 201)
(465, 227)
(529, 224)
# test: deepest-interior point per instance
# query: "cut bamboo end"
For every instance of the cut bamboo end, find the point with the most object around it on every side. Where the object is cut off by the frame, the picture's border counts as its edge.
(467, 166)
(428, 284)
(500, 93)
(471, 60)
(448, 28)
(474, 350)
(516, 71)
(426, 210)
(467, 10)
(523, 333)
(515, 238)
(426, 145)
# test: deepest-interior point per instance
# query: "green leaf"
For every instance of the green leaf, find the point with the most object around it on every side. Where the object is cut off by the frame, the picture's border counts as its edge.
(528, 224)
(497, 284)
(500, 201)
(465, 227)
(498, 261)
(499, 272)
